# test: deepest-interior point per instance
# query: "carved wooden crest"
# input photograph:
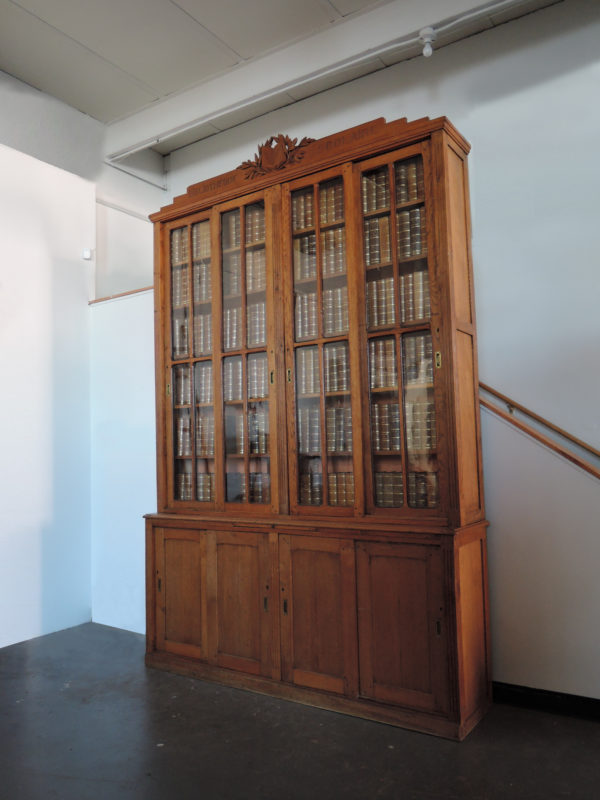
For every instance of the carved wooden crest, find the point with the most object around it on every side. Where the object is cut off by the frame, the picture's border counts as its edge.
(277, 152)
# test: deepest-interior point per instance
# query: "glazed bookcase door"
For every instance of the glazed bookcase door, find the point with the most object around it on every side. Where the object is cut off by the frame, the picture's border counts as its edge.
(189, 364)
(246, 358)
(320, 370)
(402, 436)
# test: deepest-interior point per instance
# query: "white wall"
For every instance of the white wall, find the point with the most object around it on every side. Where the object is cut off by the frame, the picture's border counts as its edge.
(123, 458)
(125, 256)
(47, 129)
(544, 551)
(46, 220)
(524, 95)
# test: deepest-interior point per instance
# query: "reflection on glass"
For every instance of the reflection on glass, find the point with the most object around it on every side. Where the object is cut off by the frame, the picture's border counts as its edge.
(258, 376)
(201, 289)
(246, 423)
(415, 302)
(420, 418)
(308, 426)
(182, 431)
(232, 279)
(256, 275)
(179, 293)
(386, 423)
(381, 305)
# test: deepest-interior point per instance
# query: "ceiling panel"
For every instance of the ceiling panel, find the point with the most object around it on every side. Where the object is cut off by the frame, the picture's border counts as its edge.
(253, 27)
(153, 40)
(53, 63)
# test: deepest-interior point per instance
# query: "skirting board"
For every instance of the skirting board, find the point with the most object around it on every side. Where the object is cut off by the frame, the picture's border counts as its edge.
(542, 700)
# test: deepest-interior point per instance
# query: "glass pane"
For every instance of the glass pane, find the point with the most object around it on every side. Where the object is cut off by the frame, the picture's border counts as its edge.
(183, 480)
(255, 223)
(202, 333)
(375, 189)
(232, 379)
(409, 180)
(202, 289)
(333, 251)
(335, 311)
(304, 254)
(260, 482)
(205, 484)
(306, 314)
(338, 435)
(182, 431)
(331, 201)
(182, 386)
(203, 383)
(258, 428)
(258, 376)
(419, 413)
(256, 269)
(303, 209)
(235, 485)
(415, 304)
(235, 448)
(336, 367)
(205, 453)
(338, 424)
(259, 445)
(205, 433)
(201, 256)
(381, 306)
(377, 248)
(232, 279)
(247, 434)
(256, 316)
(386, 423)
(305, 257)
(256, 277)
(308, 426)
(411, 237)
(180, 293)
(235, 442)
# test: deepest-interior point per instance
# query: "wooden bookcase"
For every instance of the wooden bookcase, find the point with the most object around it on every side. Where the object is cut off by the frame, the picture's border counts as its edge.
(320, 532)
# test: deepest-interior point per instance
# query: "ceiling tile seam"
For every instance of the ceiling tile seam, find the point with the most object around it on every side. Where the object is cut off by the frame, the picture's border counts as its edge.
(330, 9)
(216, 39)
(243, 62)
(141, 84)
(401, 44)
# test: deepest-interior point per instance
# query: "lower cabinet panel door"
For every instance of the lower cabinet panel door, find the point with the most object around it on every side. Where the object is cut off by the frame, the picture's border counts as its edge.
(240, 606)
(402, 642)
(318, 613)
(181, 617)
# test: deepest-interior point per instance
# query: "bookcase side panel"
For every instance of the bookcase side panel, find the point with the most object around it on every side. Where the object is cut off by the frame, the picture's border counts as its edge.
(468, 451)
(160, 315)
(461, 320)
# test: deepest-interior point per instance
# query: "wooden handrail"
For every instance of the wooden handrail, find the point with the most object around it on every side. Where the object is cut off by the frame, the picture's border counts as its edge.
(534, 434)
(513, 404)
(120, 294)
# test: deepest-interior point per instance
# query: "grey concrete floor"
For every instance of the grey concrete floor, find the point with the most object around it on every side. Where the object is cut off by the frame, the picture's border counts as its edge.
(82, 718)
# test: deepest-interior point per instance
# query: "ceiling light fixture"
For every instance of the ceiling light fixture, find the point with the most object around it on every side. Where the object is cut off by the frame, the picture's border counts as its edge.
(426, 37)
